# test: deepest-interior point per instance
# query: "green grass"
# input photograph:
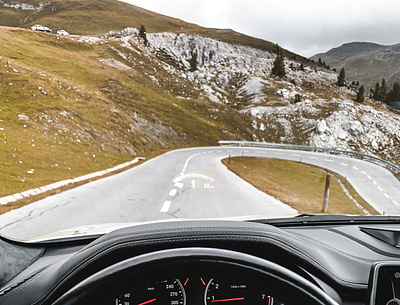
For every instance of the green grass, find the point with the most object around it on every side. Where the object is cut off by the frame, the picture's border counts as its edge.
(93, 116)
(299, 185)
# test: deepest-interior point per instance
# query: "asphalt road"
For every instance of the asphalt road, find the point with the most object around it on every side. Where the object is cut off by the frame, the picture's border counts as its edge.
(187, 183)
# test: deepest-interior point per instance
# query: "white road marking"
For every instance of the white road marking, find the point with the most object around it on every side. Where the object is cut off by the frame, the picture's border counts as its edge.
(379, 188)
(355, 167)
(230, 150)
(364, 172)
(278, 153)
(165, 207)
(386, 195)
(172, 193)
(219, 151)
(374, 182)
(295, 155)
(344, 164)
(395, 202)
(369, 177)
(328, 160)
(315, 158)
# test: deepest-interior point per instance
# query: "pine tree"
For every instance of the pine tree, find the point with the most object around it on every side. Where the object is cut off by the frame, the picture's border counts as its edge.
(301, 67)
(193, 62)
(394, 94)
(143, 35)
(341, 78)
(377, 92)
(361, 94)
(279, 66)
(383, 92)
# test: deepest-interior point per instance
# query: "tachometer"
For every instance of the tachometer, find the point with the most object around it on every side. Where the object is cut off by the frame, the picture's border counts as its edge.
(235, 292)
(166, 292)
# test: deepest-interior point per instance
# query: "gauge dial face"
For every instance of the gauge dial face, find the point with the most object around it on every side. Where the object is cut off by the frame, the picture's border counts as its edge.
(166, 292)
(236, 292)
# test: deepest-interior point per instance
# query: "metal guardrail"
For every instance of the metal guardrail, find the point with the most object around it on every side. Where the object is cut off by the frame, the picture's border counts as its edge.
(390, 166)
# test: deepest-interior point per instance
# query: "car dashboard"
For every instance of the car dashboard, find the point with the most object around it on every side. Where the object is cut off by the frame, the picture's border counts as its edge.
(204, 262)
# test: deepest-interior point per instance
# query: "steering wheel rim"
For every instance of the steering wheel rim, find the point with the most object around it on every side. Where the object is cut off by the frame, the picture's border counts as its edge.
(97, 287)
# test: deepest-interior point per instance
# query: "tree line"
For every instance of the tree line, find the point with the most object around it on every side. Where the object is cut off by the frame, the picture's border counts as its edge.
(379, 93)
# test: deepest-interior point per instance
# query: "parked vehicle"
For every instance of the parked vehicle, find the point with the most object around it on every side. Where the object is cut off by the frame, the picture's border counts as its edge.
(41, 28)
(62, 33)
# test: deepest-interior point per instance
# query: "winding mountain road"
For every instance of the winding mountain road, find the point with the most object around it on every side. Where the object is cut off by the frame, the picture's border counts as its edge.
(188, 183)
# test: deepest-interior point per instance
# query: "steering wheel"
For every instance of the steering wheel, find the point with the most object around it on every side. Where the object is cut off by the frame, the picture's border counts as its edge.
(164, 268)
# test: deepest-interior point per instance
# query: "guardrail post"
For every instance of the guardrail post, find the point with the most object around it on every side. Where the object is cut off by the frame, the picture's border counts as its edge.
(326, 195)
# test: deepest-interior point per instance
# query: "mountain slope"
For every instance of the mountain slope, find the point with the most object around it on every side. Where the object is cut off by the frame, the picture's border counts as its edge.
(94, 17)
(73, 105)
(365, 62)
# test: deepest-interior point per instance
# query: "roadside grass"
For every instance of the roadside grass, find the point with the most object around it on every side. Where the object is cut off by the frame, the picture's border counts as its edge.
(25, 201)
(299, 185)
(91, 115)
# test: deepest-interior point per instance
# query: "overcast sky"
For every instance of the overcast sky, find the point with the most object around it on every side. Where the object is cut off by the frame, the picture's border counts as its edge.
(306, 27)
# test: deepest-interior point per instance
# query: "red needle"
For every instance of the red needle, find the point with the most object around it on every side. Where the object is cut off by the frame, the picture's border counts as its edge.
(147, 302)
(227, 300)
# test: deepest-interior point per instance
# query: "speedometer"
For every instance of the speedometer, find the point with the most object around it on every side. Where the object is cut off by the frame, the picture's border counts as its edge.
(166, 292)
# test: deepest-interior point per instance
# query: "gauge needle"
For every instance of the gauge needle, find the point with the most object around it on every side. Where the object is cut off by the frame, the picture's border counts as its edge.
(227, 300)
(147, 302)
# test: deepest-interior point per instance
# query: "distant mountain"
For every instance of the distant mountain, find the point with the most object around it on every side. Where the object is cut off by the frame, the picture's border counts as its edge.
(365, 62)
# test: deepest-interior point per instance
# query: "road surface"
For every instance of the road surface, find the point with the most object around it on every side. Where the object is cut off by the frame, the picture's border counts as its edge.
(187, 183)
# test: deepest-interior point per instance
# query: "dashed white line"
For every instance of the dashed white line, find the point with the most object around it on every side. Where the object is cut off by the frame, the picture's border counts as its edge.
(355, 167)
(295, 155)
(219, 151)
(278, 153)
(344, 164)
(315, 158)
(172, 193)
(364, 172)
(379, 188)
(165, 207)
(374, 182)
(395, 202)
(327, 160)
(386, 195)
(369, 177)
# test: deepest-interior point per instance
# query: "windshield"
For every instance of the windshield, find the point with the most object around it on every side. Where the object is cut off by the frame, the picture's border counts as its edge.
(124, 112)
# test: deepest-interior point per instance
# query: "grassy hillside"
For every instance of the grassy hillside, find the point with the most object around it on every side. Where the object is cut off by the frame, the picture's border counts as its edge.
(66, 110)
(93, 17)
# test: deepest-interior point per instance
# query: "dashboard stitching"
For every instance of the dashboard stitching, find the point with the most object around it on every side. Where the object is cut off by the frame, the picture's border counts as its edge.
(138, 241)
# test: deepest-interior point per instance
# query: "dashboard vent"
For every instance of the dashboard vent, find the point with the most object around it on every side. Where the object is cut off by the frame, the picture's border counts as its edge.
(389, 236)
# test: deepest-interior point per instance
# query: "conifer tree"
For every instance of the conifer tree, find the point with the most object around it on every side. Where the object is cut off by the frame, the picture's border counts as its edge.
(341, 78)
(377, 92)
(394, 95)
(361, 94)
(383, 92)
(301, 67)
(193, 62)
(279, 66)
(143, 35)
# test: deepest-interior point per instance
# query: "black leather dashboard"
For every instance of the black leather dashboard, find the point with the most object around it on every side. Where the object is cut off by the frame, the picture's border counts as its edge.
(337, 259)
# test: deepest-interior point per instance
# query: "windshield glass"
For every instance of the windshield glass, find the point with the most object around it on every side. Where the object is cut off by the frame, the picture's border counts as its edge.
(124, 112)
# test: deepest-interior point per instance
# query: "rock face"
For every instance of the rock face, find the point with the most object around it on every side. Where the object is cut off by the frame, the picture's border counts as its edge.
(239, 78)
(233, 74)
